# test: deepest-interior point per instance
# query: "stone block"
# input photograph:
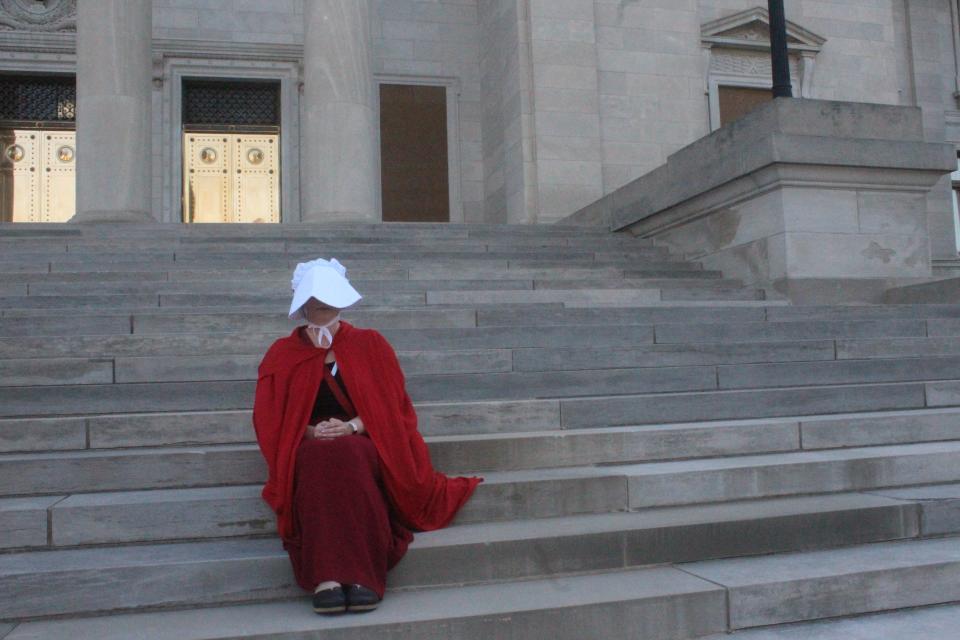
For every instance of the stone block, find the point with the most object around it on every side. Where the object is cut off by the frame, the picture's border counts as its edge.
(78, 326)
(42, 434)
(942, 394)
(114, 398)
(939, 291)
(510, 317)
(897, 348)
(762, 476)
(939, 506)
(135, 516)
(511, 337)
(821, 584)
(612, 445)
(544, 494)
(730, 405)
(831, 197)
(836, 372)
(52, 371)
(522, 385)
(669, 355)
(23, 521)
(774, 331)
(894, 427)
(499, 416)
(701, 532)
(136, 576)
(864, 255)
(164, 429)
(579, 298)
(128, 469)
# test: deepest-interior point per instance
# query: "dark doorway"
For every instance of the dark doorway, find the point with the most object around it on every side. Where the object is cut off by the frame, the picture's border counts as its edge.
(413, 152)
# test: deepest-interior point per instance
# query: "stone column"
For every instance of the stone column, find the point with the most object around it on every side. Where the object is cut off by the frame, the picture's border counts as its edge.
(113, 110)
(340, 171)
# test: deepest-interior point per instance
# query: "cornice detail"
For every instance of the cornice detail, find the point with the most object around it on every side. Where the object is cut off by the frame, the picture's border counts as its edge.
(38, 15)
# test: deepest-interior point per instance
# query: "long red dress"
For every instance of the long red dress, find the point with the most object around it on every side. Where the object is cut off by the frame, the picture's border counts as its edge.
(400, 489)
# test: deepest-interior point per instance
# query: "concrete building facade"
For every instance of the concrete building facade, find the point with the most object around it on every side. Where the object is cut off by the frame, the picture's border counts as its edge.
(545, 106)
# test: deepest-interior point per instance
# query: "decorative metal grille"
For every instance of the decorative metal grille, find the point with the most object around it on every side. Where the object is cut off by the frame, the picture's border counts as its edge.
(38, 99)
(239, 103)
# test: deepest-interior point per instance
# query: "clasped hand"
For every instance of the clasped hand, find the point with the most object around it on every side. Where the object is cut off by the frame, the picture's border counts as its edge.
(332, 428)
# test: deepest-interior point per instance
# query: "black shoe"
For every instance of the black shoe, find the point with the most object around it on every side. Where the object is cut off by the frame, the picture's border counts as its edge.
(330, 601)
(361, 599)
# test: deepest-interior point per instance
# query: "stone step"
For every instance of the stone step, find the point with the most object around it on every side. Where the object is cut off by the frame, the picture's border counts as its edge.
(767, 589)
(245, 342)
(215, 362)
(322, 229)
(623, 345)
(764, 331)
(452, 453)
(506, 435)
(499, 373)
(416, 264)
(270, 308)
(822, 584)
(932, 621)
(542, 383)
(658, 602)
(280, 284)
(670, 394)
(879, 312)
(572, 298)
(259, 244)
(490, 551)
(743, 404)
(755, 376)
(522, 494)
(177, 321)
(389, 272)
(274, 256)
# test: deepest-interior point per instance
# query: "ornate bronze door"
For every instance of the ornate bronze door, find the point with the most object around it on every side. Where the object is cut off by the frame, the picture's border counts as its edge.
(231, 177)
(37, 175)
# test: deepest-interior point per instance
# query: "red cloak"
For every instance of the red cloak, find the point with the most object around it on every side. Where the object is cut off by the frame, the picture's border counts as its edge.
(288, 380)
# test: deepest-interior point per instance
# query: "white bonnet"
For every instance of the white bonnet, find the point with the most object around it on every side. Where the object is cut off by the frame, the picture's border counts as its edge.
(325, 280)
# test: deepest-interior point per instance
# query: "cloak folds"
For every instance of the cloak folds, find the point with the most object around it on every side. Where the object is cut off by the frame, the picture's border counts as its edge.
(288, 380)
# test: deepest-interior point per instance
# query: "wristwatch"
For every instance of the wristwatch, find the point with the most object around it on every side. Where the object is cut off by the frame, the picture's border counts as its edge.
(353, 426)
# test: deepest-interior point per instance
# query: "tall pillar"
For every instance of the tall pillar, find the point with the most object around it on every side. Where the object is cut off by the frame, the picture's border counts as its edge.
(339, 167)
(113, 110)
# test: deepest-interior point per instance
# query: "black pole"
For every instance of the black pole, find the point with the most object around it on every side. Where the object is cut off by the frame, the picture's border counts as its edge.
(778, 50)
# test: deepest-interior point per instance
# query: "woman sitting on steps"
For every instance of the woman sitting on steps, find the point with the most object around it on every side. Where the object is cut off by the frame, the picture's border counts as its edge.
(349, 474)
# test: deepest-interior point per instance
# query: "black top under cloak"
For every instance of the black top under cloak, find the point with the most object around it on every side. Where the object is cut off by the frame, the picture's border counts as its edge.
(326, 405)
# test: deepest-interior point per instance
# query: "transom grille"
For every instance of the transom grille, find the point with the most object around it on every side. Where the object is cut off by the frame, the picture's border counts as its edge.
(236, 103)
(38, 98)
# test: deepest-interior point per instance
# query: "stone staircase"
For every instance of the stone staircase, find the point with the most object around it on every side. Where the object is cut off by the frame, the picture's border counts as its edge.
(667, 454)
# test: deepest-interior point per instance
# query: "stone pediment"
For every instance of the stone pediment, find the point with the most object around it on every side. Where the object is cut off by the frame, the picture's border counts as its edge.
(750, 29)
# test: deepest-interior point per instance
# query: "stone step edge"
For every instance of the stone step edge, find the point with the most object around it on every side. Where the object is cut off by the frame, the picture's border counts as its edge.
(625, 470)
(547, 429)
(881, 518)
(506, 602)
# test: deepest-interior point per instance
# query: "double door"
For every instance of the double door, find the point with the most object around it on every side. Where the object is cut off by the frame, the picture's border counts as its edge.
(38, 175)
(231, 177)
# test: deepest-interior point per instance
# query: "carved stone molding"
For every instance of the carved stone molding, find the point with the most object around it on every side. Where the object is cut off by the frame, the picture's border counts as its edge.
(38, 15)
